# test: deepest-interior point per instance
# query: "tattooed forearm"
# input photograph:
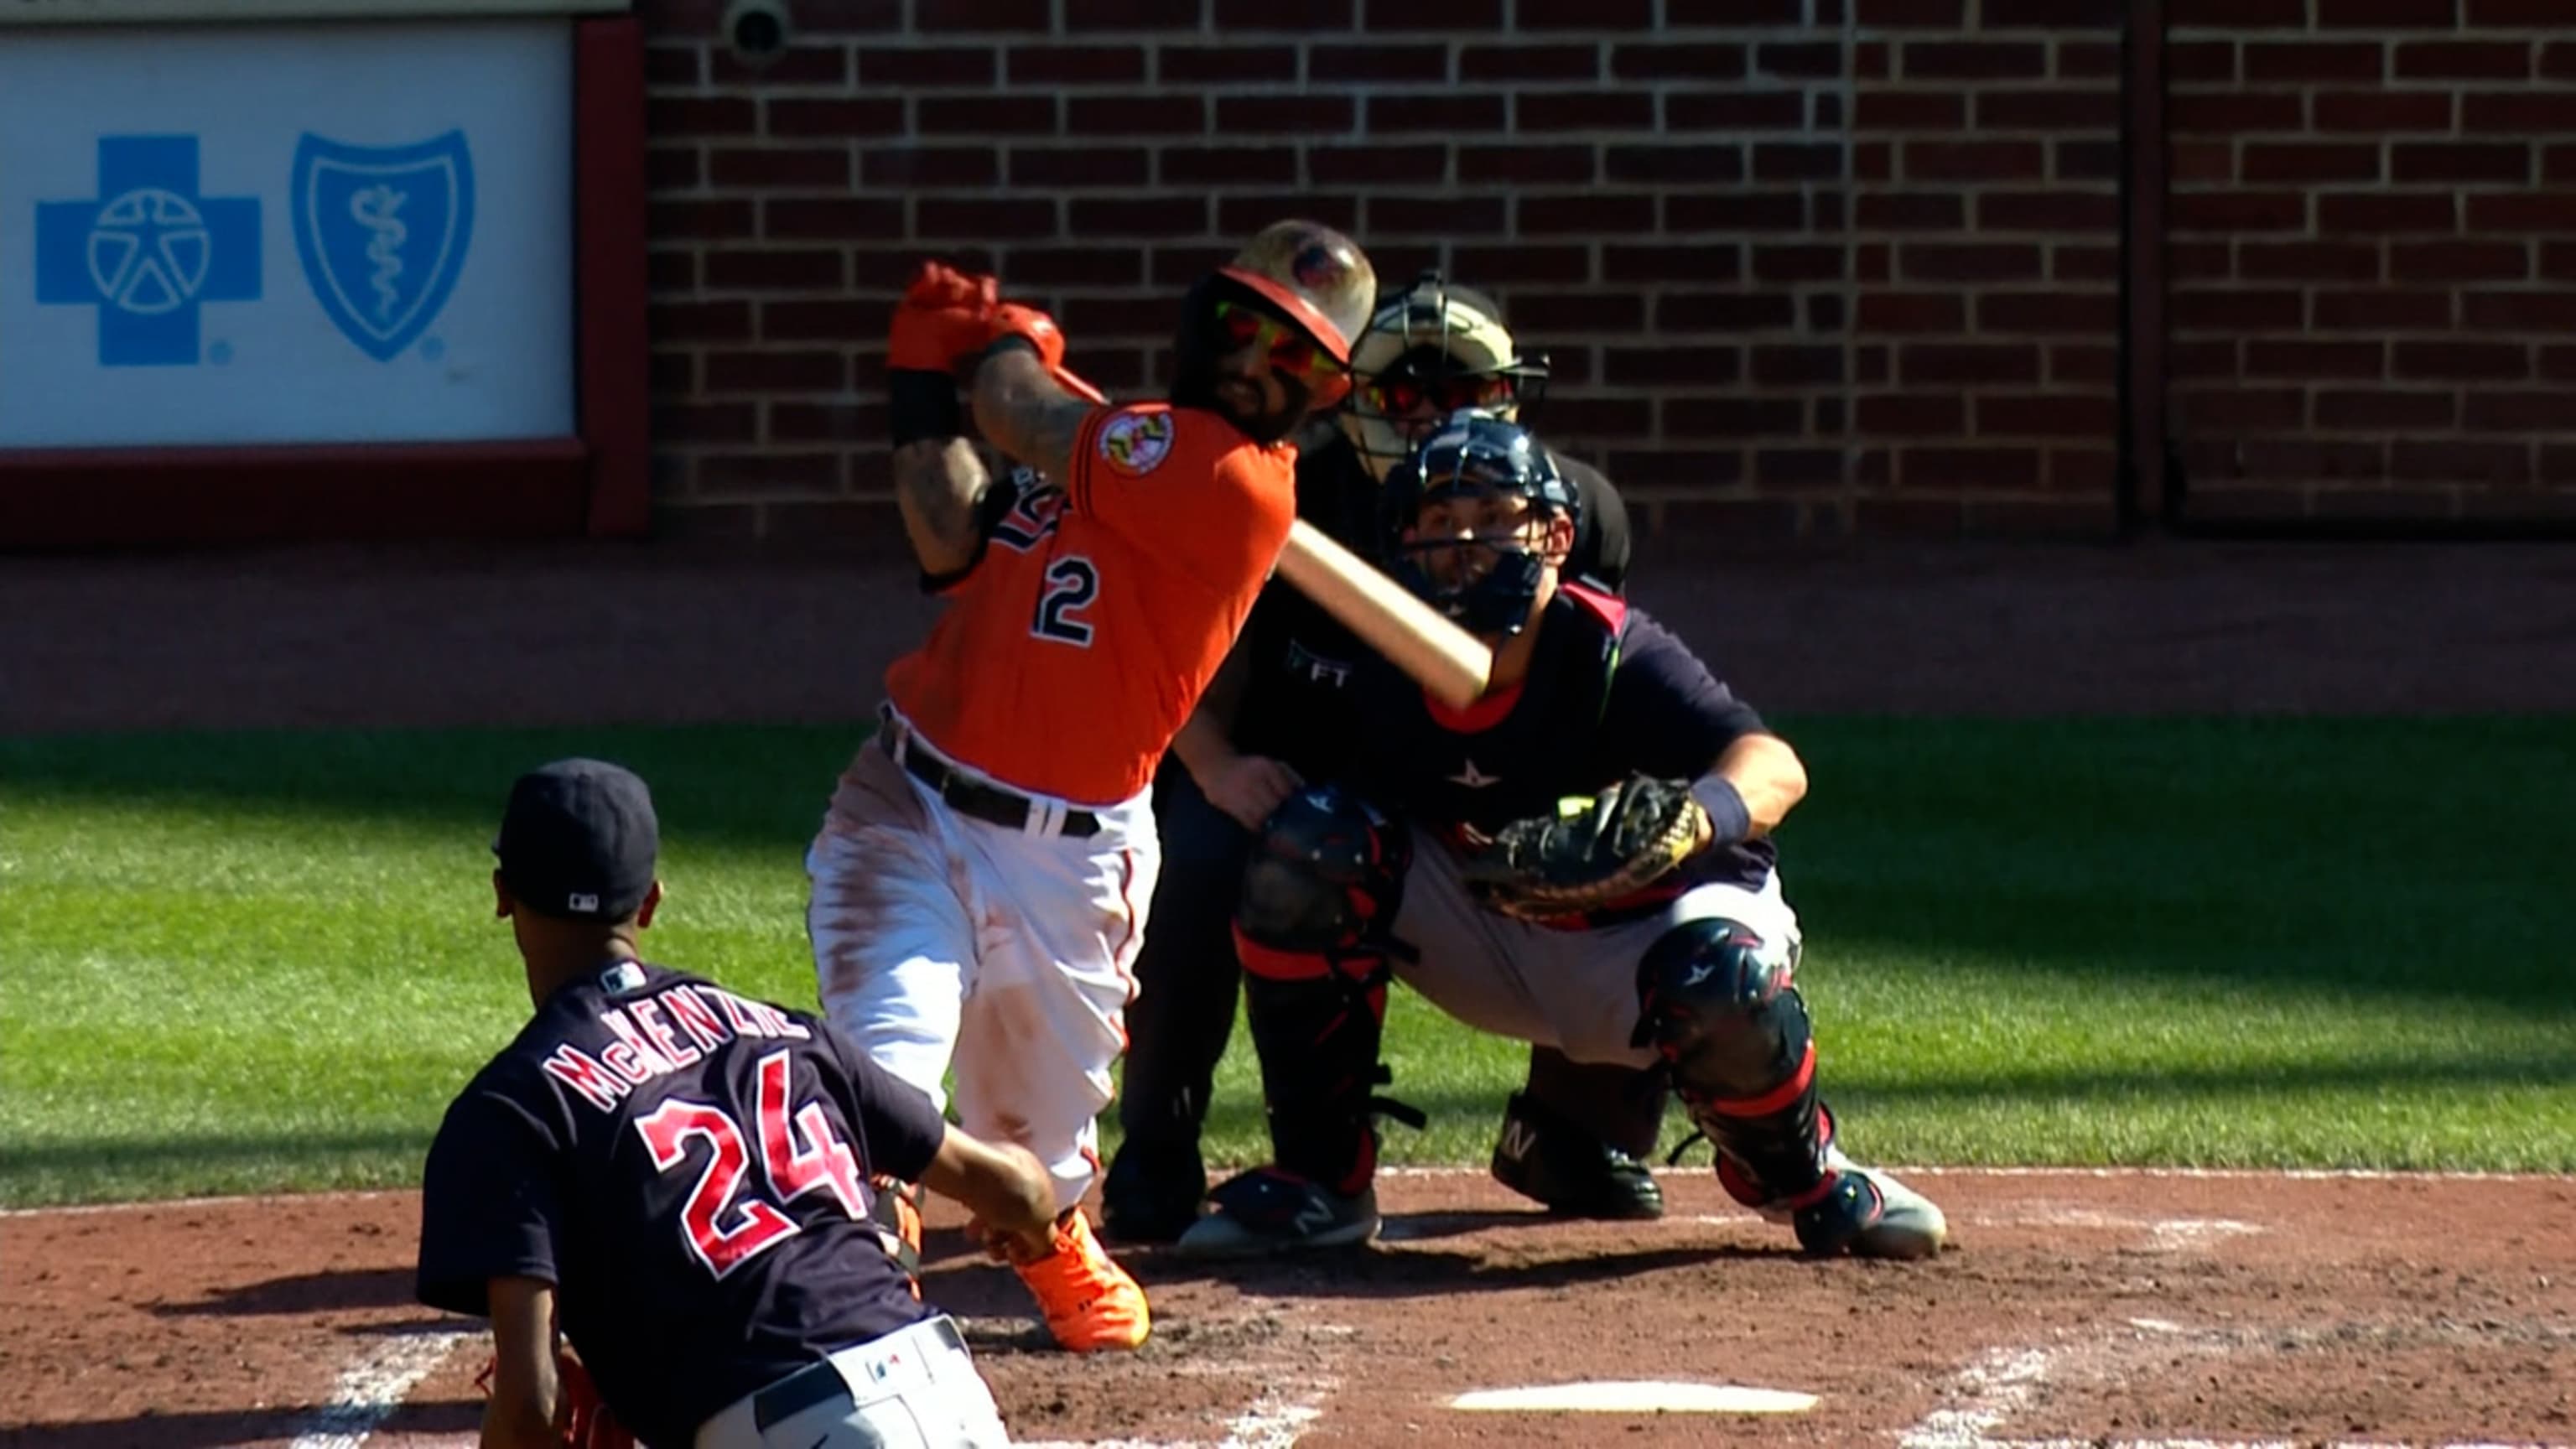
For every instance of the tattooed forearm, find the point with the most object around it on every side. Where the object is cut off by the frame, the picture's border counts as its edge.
(936, 483)
(1025, 414)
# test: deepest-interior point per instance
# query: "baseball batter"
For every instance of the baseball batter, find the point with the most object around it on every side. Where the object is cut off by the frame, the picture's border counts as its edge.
(1603, 736)
(1280, 718)
(981, 879)
(679, 1177)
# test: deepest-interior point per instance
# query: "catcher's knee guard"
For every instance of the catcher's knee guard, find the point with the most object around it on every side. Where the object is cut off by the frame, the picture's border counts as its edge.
(1715, 1000)
(1311, 927)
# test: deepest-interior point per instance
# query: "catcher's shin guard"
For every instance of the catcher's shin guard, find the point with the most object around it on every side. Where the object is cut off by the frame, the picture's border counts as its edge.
(1715, 1001)
(1311, 926)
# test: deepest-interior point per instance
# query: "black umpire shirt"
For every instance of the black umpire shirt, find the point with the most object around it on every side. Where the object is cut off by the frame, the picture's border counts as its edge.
(689, 1168)
(1296, 703)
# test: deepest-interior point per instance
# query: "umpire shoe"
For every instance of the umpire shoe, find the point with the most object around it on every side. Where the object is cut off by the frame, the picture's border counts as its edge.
(1090, 1302)
(1545, 1157)
(1152, 1191)
(1266, 1211)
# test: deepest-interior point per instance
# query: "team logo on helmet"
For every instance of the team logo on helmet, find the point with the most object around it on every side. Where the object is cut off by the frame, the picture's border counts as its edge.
(1137, 443)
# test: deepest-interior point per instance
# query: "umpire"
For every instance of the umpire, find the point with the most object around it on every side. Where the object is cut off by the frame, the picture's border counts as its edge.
(1280, 715)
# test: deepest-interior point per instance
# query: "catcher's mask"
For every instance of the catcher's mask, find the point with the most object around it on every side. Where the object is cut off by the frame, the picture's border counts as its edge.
(1298, 291)
(1475, 455)
(1427, 352)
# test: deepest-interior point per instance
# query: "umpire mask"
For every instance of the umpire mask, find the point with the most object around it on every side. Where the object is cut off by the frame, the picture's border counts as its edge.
(1429, 351)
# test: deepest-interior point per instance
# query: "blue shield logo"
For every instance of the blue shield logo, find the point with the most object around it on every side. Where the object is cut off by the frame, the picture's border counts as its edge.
(383, 232)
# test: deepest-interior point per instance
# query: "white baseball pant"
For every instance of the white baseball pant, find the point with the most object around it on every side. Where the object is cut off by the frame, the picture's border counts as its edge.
(915, 1388)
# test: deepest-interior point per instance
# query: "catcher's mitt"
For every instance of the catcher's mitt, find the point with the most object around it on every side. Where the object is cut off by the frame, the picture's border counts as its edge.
(1594, 850)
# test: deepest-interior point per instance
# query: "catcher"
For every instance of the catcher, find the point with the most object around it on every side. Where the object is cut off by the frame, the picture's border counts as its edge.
(1581, 860)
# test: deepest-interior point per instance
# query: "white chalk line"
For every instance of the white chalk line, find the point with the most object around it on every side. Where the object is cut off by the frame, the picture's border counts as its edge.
(1271, 1421)
(374, 1386)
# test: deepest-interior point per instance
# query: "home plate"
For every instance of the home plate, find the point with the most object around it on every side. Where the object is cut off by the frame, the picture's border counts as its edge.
(1647, 1397)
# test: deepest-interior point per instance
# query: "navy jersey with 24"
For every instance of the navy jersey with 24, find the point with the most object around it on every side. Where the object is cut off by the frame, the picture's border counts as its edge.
(690, 1169)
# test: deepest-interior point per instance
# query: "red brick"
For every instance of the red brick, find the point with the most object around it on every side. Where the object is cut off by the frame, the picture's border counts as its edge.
(786, 166)
(2518, 113)
(2201, 261)
(2083, 363)
(1244, 215)
(1974, 161)
(1723, 312)
(1007, 115)
(1538, 62)
(1123, 317)
(1598, 213)
(1688, 164)
(2383, 410)
(1974, 60)
(2460, 261)
(1743, 13)
(981, 14)
(1912, 415)
(811, 422)
(1874, 161)
(1049, 168)
(1797, 364)
(1223, 165)
(1436, 15)
(2206, 62)
(2492, 410)
(699, 322)
(1798, 467)
(911, 167)
(770, 474)
(2558, 166)
(843, 17)
(2085, 160)
(671, 375)
(1560, 164)
(1156, 115)
(1299, 16)
(1342, 165)
(1700, 262)
(2436, 461)
(1799, 60)
(2319, 360)
(774, 270)
(803, 319)
(2558, 261)
(1733, 211)
(2421, 161)
(1468, 113)
(1600, 417)
(1134, 14)
(2052, 14)
(1693, 61)
(2508, 13)
(669, 118)
(672, 66)
(1049, 65)
(926, 67)
(982, 219)
(2461, 361)
(1074, 266)
(2236, 14)
(1970, 467)
(2065, 211)
(2047, 415)
(1195, 64)
(2380, 309)
(2309, 161)
(1380, 62)
(1537, 312)
(1784, 161)
(2192, 162)
(1504, 266)
(2464, 60)
(1632, 366)
(1792, 263)
(2542, 311)
(1694, 470)
(2348, 211)
(672, 168)
(2088, 60)
(1916, 14)
(1921, 363)
(836, 218)
(2546, 211)
(2389, 14)
(809, 371)
(700, 220)
(865, 117)
(2308, 261)
(1280, 115)
(2199, 359)
(1912, 211)
(672, 272)
(2558, 60)
(705, 422)
(1971, 262)
(1437, 216)
(1886, 312)
(2096, 109)
(2072, 263)
(2380, 112)
(2311, 61)
(2048, 312)
(1584, 14)
(1583, 111)
(2227, 113)
(2245, 407)
(2234, 310)
(1911, 111)
(1733, 111)
(1726, 417)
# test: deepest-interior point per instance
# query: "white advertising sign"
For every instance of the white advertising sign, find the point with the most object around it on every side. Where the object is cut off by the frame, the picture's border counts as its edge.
(103, 12)
(258, 234)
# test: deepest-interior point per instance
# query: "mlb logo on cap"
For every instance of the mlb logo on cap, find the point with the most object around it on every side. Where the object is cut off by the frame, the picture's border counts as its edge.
(582, 832)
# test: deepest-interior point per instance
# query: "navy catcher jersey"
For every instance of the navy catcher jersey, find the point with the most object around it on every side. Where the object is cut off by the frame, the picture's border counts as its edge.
(1297, 704)
(690, 1169)
(1610, 693)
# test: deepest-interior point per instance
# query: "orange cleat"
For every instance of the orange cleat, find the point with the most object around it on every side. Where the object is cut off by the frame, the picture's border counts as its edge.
(1091, 1304)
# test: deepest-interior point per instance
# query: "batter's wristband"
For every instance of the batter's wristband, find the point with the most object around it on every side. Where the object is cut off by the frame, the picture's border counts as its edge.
(922, 405)
(1729, 822)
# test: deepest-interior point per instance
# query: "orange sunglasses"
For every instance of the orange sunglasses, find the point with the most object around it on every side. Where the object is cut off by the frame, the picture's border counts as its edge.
(1289, 350)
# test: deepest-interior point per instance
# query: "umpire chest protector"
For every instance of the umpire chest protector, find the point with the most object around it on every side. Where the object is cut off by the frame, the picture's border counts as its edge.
(1516, 752)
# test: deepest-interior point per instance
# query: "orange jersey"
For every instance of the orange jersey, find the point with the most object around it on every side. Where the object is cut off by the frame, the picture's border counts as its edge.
(1101, 608)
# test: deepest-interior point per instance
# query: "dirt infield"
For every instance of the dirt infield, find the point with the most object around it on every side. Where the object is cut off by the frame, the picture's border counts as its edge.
(2076, 1309)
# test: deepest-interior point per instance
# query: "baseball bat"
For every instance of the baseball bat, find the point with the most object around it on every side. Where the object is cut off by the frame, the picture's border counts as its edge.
(1454, 665)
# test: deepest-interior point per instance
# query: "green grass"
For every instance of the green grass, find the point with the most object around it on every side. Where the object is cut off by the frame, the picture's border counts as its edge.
(252, 962)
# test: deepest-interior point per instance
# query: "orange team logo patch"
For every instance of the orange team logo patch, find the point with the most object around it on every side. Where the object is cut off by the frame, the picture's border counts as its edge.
(1137, 443)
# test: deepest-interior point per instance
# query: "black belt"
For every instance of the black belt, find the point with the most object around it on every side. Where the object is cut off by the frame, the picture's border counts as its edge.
(817, 1384)
(969, 796)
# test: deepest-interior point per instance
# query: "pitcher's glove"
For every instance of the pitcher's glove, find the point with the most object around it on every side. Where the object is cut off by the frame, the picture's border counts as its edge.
(1593, 851)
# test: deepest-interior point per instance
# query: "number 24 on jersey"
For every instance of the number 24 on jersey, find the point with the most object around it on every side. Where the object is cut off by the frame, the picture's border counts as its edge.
(798, 1154)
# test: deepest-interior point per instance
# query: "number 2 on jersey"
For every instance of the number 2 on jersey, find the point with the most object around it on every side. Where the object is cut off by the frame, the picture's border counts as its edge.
(1071, 584)
(798, 1154)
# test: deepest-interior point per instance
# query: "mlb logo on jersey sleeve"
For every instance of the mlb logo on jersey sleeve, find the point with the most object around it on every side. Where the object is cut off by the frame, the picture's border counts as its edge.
(1137, 443)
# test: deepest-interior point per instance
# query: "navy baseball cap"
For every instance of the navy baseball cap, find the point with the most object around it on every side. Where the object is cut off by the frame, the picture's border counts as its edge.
(578, 840)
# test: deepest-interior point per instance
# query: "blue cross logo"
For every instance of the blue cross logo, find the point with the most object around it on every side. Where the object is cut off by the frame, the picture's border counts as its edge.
(148, 252)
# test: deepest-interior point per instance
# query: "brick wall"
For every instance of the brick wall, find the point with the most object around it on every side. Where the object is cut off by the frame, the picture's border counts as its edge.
(1798, 268)
(2374, 237)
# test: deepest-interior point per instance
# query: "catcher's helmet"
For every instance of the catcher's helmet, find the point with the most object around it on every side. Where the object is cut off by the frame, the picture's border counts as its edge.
(1436, 345)
(1475, 454)
(1305, 275)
